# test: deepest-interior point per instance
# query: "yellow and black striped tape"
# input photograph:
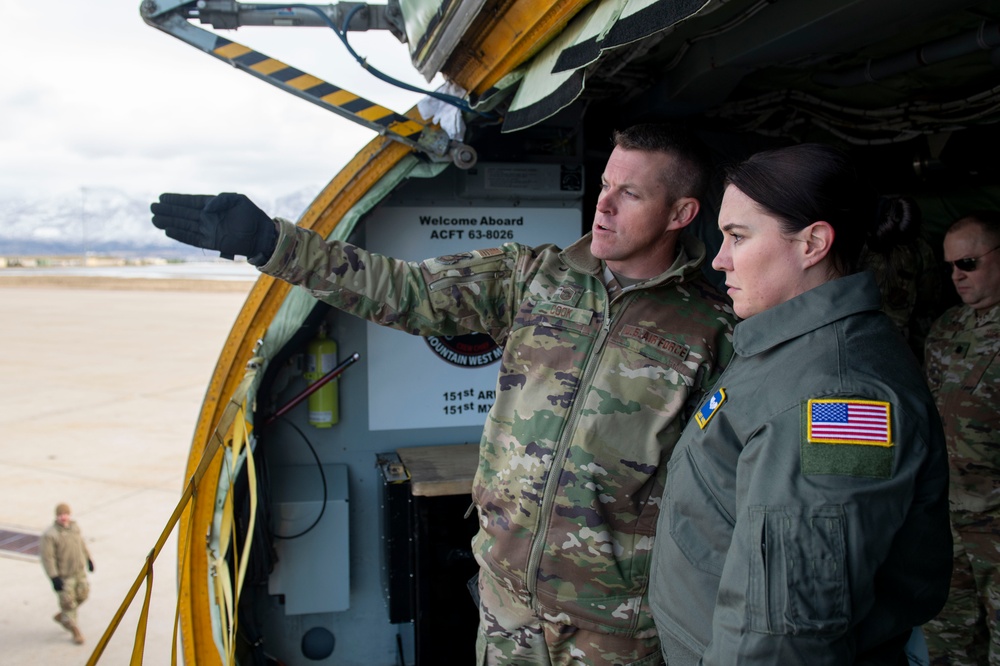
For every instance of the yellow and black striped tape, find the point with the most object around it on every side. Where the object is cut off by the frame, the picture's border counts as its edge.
(321, 92)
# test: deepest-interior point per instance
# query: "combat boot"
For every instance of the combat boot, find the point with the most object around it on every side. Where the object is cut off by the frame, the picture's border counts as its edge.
(77, 636)
(64, 621)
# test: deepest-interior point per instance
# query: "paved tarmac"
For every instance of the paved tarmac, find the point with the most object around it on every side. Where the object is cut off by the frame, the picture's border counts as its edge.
(100, 390)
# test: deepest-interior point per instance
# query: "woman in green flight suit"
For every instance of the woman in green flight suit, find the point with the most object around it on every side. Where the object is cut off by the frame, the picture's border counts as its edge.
(805, 514)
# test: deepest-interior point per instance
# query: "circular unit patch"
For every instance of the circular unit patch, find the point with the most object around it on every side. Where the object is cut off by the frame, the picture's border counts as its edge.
(472, 350)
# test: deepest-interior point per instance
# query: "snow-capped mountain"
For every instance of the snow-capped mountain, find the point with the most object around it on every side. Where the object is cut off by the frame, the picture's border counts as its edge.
(103, 221)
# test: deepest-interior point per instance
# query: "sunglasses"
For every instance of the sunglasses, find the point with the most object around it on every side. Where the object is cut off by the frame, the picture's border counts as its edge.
(968, 264)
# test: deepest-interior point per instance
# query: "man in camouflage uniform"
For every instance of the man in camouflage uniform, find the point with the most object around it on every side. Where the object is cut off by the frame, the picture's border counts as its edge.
(963, 370)
(608, 346)
(66, 561)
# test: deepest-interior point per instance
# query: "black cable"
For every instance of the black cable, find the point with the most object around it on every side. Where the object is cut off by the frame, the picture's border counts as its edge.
(262, 555)
(342, 34)
(322, 475)
(251, 635)
(261, 559)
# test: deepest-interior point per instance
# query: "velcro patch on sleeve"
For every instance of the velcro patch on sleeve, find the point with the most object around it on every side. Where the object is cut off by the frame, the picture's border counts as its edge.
(847, 436)
(711, 406)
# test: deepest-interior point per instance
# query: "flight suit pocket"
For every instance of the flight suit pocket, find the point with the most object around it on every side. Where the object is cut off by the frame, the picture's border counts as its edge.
(699, 525)
(798, 578)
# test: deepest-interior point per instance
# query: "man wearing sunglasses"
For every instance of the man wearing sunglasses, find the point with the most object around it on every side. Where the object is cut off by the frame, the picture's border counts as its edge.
(963, 370)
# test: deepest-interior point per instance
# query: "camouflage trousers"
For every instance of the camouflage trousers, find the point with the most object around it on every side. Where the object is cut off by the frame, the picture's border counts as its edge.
(512, 634)
(967, 630)
(75, 591)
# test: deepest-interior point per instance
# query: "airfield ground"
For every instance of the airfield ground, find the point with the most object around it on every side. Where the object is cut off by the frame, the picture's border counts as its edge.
(101, 385)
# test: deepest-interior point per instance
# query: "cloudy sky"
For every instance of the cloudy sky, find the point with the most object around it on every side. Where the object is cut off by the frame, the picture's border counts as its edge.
(92, 97)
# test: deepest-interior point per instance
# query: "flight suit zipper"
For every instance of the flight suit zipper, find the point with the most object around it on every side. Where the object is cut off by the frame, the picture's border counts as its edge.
(767, 575)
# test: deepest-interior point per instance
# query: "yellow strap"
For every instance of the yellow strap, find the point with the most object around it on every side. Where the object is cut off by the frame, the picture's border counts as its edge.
(242, 436)
(180, 586)
(223, 588)
(224, 597)
(228, 594)
(140, 630)
(241, 441)
(233, 407)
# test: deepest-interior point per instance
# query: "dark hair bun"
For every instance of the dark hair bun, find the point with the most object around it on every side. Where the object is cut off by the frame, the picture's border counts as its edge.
(897, 222)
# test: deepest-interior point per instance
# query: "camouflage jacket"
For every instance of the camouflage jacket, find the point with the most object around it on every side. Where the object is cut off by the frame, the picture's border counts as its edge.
(63, 552)
(963, 370)
(592, 394)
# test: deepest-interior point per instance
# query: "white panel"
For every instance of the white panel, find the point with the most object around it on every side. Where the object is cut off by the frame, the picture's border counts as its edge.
(312, 571)
(409, 385)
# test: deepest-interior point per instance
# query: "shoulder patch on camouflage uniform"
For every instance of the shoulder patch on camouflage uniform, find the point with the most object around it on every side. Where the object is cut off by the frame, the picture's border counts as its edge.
(490, 252)
(568, 294)
(847, 436)
(451, 259)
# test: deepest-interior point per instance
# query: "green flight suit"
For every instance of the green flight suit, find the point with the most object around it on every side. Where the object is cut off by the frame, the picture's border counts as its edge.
(805, 512)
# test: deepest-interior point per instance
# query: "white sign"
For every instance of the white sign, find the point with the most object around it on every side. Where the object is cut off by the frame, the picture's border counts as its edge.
(416, 382)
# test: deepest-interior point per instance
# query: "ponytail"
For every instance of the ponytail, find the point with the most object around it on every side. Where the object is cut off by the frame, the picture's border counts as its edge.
(810, 182)
(897, 222)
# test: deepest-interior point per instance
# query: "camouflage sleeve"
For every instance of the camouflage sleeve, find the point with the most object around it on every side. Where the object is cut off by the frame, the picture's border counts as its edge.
(86, 551)
(48, 556)
(721, 320)
(933, 350)
(450, 295)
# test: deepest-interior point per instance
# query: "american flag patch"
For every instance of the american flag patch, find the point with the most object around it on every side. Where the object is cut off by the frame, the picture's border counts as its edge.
(840, 421)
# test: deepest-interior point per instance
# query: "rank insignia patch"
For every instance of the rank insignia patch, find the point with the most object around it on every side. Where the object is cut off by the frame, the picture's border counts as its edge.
(708, 410)
(847, 421)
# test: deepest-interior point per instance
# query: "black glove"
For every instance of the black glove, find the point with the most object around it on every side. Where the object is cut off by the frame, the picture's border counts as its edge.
(57, 584)
(229, 223)
(90, 566)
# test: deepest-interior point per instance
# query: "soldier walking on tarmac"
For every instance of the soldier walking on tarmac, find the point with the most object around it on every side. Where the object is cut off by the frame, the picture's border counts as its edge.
(66, 562)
